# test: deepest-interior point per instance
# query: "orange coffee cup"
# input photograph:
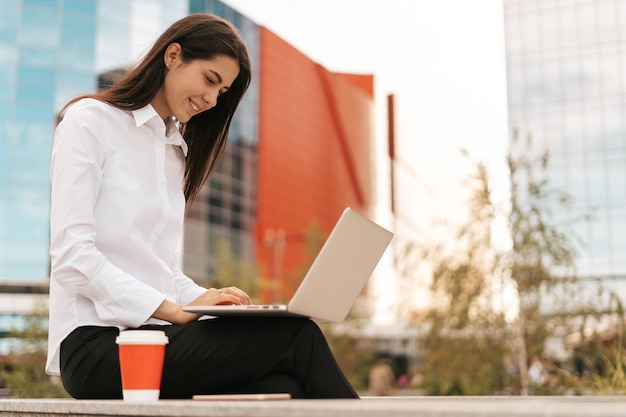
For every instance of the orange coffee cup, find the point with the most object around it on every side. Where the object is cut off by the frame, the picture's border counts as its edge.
(141, 363)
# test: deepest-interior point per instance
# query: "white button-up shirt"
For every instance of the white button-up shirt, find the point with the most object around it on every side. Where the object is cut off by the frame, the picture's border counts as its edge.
(117, 210)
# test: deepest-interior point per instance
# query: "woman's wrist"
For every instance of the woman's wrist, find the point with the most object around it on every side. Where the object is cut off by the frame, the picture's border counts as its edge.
(174, 313)
(184, 317)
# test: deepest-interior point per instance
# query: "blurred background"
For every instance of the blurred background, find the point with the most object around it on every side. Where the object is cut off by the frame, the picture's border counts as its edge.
(488, 135)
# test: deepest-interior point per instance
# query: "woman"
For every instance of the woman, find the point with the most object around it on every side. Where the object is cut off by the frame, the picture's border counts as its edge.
(125, 164)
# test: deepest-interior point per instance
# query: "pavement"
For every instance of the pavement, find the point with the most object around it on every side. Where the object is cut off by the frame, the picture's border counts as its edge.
(566, 406)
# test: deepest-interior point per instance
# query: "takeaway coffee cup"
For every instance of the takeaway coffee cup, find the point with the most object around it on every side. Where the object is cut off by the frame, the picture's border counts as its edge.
(141, 363)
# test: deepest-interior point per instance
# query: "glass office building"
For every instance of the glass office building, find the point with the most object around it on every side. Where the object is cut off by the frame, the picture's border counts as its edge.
(52, 50)
(56, 49)
(566, 70)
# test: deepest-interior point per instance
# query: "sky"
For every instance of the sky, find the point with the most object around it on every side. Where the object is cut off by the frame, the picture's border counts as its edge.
(444, 58)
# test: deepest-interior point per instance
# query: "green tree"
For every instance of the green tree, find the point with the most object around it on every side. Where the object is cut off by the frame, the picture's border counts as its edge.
(600, 359)
(25, 375)
(540, 263)
(468, 339)
(465, 342)
(230, 271)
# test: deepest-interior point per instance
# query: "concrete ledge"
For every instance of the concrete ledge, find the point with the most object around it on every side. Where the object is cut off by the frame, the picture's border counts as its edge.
(367, 407)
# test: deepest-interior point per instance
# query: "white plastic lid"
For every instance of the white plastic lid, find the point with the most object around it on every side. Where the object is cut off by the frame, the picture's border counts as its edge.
(142, 337)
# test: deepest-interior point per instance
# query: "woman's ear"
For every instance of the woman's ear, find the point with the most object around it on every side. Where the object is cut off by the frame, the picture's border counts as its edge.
(172, 54)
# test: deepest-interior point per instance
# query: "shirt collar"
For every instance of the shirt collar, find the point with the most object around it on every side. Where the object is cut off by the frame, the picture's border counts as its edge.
(172, 137)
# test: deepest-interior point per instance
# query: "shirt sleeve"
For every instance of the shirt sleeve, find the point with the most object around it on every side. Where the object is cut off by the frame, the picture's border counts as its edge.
(187, 288)
(76, 263)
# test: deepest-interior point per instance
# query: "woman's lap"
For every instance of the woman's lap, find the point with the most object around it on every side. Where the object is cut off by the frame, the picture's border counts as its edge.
(214, 356)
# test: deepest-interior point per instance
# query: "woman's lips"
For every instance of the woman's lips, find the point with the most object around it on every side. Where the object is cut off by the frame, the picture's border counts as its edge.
(195, 109)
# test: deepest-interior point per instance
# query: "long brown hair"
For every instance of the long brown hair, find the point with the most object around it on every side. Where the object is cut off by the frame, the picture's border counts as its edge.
(201, 36)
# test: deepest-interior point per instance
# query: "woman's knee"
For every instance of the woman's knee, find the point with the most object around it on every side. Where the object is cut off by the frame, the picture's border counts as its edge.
(95, 384)
(90, 364)
(310, 329)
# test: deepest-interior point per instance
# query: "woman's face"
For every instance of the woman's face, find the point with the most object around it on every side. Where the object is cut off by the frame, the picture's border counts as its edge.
(194, 87)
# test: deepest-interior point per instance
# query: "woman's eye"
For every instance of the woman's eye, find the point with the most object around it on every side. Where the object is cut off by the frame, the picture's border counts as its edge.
(210, 81)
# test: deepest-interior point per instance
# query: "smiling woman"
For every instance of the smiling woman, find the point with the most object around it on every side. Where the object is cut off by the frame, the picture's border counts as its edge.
(125, 164)
(192, 87)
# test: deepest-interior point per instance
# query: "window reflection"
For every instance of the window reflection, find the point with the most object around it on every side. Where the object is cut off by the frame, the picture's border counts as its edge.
(40, 27)
(8, 23)
(567, 85)
(78, 40)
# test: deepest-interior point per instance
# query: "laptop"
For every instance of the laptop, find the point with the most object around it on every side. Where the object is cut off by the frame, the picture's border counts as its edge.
(335, 279)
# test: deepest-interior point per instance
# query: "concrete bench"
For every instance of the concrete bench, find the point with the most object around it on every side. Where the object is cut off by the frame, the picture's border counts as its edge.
(367, 407)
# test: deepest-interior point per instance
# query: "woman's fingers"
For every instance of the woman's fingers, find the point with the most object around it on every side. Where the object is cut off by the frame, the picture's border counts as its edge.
(234, 294)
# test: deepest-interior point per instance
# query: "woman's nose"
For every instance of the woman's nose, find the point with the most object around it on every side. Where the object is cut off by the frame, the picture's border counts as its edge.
(210, 97)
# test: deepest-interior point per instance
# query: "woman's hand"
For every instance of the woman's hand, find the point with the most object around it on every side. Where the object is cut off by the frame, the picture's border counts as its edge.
(174, 313)
(222, 296)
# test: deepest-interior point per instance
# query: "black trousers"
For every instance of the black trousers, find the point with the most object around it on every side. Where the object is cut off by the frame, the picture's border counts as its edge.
(224, 355)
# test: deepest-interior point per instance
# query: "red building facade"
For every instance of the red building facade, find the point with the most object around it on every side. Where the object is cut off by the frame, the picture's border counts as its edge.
(315, 134)
(298, 154)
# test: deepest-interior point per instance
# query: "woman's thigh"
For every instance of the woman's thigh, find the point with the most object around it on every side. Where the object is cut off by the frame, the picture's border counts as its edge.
(228, 354)
(213, 356)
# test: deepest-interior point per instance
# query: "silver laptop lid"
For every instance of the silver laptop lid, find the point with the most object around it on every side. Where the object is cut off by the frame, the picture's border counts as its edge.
(341, 269)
